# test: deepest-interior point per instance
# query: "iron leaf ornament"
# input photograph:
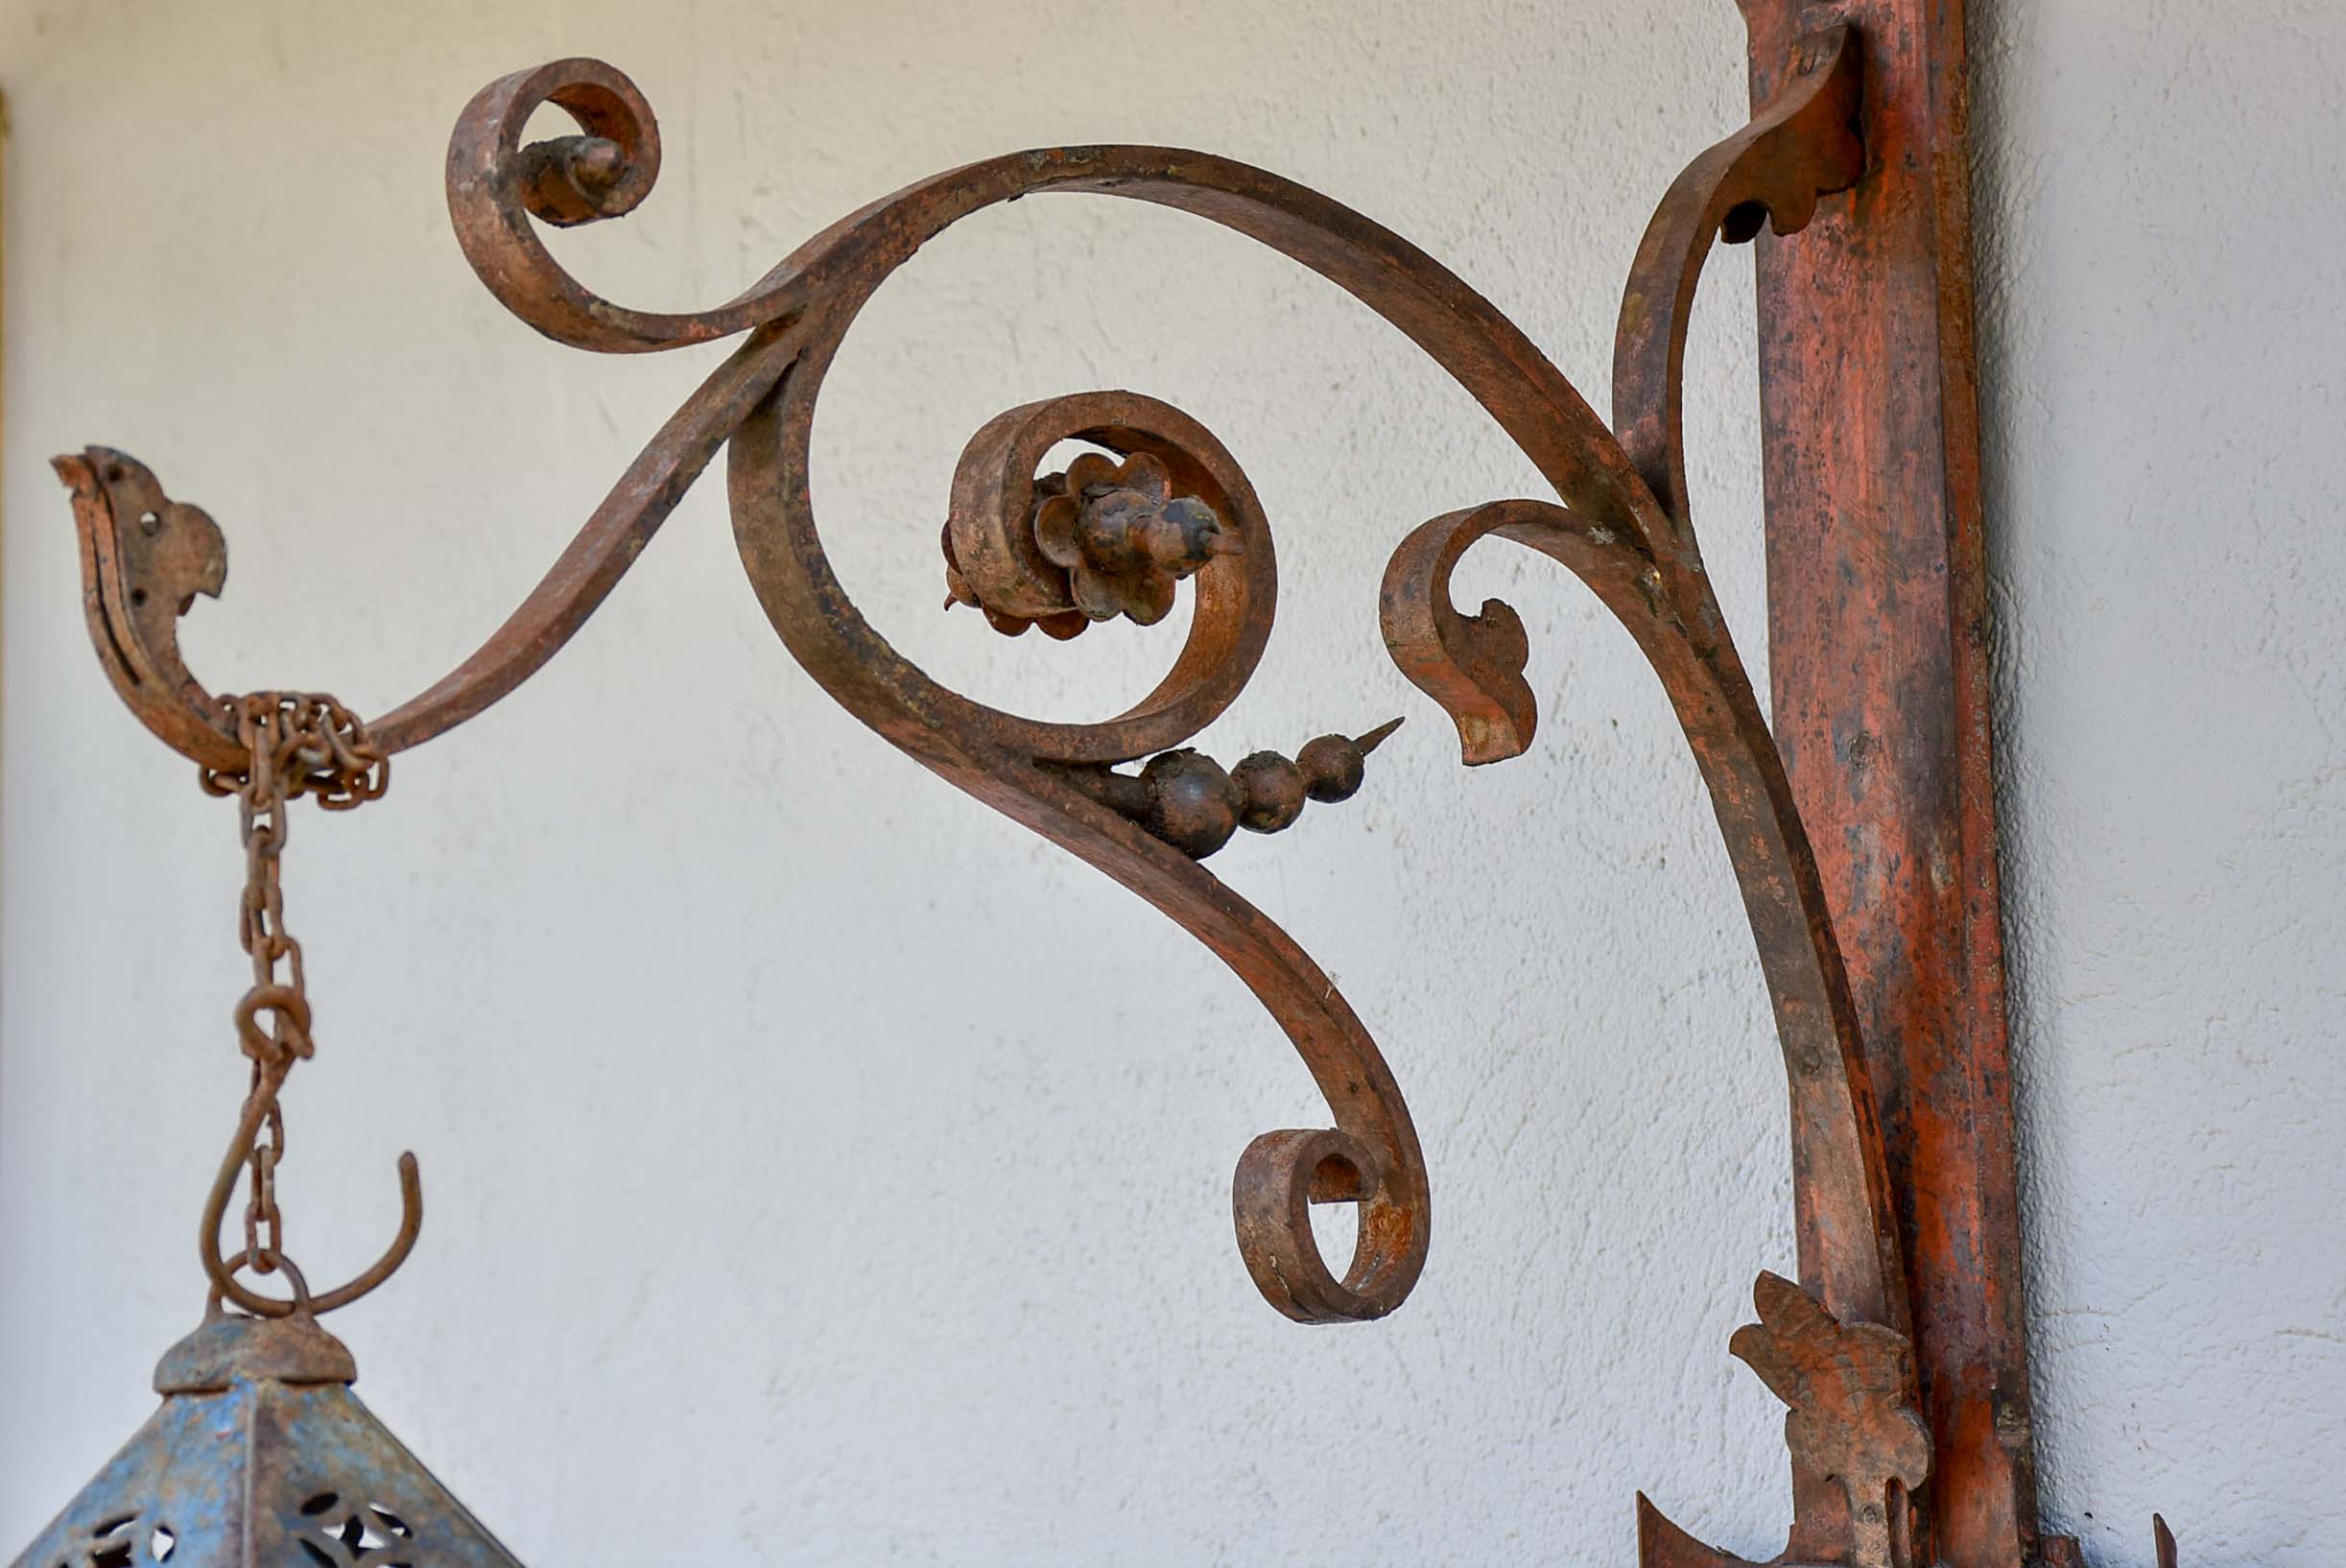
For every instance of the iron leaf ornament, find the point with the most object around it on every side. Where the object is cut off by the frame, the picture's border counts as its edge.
(1848, 1387)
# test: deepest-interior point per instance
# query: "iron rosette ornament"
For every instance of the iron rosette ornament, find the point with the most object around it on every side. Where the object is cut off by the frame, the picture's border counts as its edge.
(1117, 536)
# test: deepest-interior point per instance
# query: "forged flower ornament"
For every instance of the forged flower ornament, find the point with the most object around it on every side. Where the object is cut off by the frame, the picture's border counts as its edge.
(1125, 537)
(1109, 539)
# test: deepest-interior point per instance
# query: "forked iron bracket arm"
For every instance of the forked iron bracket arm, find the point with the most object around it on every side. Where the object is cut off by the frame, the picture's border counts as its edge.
(1114, 536)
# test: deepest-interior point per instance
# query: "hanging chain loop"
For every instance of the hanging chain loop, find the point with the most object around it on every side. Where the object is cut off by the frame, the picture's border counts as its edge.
(296, 743)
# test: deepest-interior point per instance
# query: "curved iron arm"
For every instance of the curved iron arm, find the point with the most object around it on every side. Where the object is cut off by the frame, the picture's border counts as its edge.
(1623, 527)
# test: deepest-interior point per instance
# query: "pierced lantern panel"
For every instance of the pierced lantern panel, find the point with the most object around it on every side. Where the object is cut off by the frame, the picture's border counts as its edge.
(261, 1454)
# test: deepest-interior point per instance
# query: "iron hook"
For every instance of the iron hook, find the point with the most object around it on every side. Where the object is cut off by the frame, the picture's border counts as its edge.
(222, 1274)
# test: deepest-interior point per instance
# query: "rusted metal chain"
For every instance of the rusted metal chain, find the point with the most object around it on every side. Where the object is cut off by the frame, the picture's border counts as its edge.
(296, 743)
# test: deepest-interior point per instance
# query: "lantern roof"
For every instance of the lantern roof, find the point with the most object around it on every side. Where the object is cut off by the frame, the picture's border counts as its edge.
(262, 1457)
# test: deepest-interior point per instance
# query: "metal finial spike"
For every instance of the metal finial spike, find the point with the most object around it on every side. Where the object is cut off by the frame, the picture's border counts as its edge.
(1377, 737)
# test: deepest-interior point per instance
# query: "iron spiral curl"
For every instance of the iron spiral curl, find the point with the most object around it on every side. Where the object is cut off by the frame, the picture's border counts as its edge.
(797, 316)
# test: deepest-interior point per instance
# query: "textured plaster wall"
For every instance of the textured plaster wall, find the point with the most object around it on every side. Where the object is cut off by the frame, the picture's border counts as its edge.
(2165, 415)
(825, 1172)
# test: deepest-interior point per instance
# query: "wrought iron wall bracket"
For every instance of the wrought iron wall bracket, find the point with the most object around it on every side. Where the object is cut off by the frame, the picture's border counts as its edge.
(1908, 1438)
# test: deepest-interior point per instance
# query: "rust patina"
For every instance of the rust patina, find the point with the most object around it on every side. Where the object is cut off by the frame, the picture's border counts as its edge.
(1863, 846)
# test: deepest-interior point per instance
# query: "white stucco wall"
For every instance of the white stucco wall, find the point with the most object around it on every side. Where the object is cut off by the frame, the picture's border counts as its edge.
(823, 1171)
(2162, 277)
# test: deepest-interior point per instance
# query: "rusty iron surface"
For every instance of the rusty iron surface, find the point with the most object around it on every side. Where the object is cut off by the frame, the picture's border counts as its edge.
(228, 1349)
(295, 744)
(1194, 804)
(1877, 657)
(1883, 1430)
(1101, 539)
(1850, 1388)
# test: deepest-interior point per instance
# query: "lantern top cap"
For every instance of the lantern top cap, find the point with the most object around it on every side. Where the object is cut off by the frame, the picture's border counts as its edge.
(230, 1348)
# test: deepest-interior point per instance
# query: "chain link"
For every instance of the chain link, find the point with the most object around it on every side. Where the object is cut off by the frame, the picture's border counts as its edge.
(296, 743)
